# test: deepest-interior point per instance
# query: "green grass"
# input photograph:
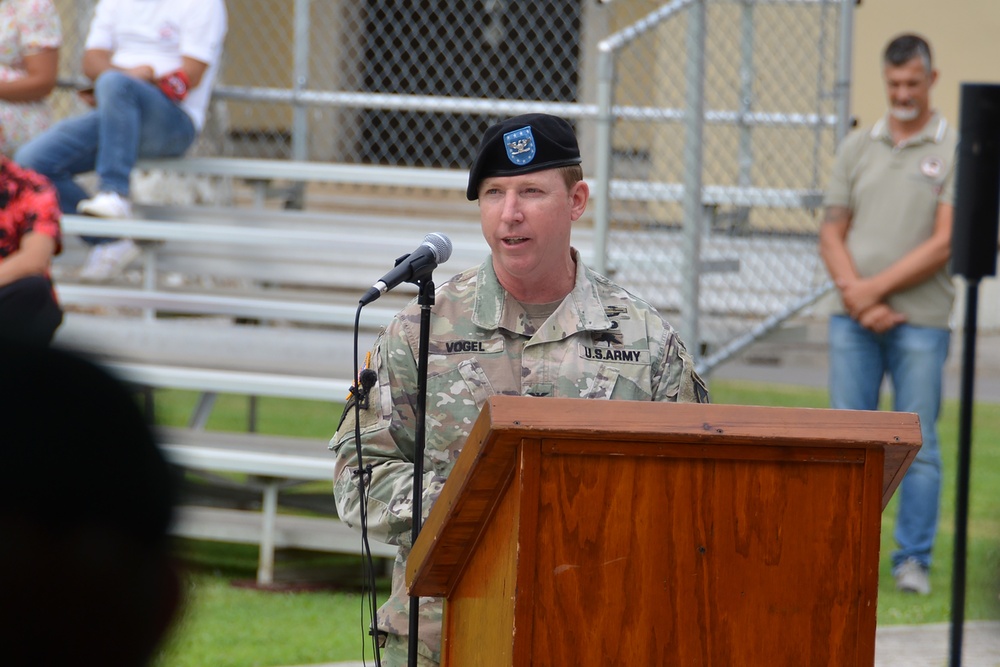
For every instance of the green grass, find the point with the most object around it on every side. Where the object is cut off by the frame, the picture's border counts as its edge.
(226, 624)
(279, 416)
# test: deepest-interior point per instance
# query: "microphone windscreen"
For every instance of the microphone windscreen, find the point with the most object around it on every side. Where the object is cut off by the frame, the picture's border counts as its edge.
(440, 245)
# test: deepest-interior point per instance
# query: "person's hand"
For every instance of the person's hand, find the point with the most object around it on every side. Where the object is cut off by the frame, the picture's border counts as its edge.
(87, 95)
(858, 296)
(142, 72)
(880, 318)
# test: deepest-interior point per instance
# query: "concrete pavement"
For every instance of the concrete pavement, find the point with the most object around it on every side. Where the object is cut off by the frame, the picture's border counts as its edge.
(929, 645)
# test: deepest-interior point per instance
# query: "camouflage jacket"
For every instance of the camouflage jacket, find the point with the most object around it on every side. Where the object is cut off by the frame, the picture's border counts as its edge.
(600, 342)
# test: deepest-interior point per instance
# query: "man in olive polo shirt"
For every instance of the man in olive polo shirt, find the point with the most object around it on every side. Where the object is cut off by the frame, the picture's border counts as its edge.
(885, 240)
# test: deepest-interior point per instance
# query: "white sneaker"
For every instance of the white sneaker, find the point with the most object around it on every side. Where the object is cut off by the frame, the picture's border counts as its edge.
(912, 577)
(106, 205)
(108, 260)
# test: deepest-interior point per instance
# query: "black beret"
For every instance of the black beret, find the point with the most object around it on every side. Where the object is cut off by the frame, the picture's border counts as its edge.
(521, 145)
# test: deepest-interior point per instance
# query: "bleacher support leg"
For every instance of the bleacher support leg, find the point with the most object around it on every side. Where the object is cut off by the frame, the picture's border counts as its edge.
(251, 414)
(202, 409)
(265, 567)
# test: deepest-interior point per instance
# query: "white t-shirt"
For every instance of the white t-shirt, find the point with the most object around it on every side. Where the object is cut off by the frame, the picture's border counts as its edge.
(158, 33)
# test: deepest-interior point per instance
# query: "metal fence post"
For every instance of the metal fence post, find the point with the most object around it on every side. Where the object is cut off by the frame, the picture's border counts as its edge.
(300, 111)
(747, 74)
(300, 117)
(602, 210)
(693, 147)
(842, 88)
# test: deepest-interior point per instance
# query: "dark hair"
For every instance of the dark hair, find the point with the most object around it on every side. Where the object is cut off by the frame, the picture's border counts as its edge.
(77, 449)
(905, 48)
(86, 499)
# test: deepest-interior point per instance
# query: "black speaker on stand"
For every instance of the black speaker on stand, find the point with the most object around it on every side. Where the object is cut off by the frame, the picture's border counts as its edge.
(973, 256)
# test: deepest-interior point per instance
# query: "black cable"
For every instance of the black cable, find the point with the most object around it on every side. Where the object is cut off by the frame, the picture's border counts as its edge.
(359, 392)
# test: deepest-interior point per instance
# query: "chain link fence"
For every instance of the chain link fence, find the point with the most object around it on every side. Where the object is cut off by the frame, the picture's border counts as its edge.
(707, 126)
(720, 154)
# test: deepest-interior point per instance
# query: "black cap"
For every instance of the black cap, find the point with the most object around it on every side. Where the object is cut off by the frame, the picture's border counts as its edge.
(521, 145)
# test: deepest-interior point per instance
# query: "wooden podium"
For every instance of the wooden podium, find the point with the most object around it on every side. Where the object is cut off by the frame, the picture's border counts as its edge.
(578, 532)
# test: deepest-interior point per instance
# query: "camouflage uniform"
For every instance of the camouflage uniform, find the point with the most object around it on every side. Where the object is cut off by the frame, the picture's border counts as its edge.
(601, 342)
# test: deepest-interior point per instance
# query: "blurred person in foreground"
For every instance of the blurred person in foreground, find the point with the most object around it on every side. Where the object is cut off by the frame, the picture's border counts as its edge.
(531, 320)
(86, 500)
(29, 238)
(886, 240)
(30, 37)
(153, 63)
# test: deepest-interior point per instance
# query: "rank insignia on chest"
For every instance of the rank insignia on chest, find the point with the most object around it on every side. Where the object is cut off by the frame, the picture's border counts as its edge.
(609, 338)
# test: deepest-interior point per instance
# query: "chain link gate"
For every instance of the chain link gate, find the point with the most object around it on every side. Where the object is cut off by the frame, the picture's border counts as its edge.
(724, 120)
(707, 126)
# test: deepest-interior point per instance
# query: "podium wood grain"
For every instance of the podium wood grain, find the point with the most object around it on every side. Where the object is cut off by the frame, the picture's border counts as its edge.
(620, 533)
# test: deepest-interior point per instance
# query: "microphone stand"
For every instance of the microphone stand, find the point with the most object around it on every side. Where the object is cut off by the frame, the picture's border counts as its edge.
(425, 300)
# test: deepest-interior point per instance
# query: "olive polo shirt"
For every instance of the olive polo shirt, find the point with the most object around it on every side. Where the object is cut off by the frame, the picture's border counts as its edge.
(893, 192)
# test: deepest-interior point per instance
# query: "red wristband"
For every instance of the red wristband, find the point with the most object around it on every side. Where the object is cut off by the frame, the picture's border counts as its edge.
(175, 85)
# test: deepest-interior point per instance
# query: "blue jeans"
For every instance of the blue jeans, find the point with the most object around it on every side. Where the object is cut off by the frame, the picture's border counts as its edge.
(913, 357)
(133, 119)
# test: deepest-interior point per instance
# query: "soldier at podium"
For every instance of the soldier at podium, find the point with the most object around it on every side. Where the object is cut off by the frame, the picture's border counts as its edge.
(532, 319)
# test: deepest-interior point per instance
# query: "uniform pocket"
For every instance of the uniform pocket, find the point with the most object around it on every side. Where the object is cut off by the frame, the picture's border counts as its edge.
(602, 384)
(454, 399)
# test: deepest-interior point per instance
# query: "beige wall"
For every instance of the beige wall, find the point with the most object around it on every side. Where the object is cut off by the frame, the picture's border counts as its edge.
(964, 36)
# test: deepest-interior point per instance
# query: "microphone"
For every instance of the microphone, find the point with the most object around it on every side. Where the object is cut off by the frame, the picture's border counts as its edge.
(436, 249)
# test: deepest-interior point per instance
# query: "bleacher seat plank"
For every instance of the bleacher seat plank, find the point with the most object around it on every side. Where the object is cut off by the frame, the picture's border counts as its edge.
(233, 382)
(322, 172)
(257, 454)
(290, 531)
(272, 461)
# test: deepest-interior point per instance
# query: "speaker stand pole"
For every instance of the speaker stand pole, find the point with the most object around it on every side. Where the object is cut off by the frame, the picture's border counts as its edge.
(964, 461)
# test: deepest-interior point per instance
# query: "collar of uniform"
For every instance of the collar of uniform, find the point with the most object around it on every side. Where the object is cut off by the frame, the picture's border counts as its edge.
(490, 311)
(933, 131)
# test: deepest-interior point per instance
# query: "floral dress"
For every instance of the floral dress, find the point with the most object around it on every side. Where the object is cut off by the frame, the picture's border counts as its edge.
(26, 28)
